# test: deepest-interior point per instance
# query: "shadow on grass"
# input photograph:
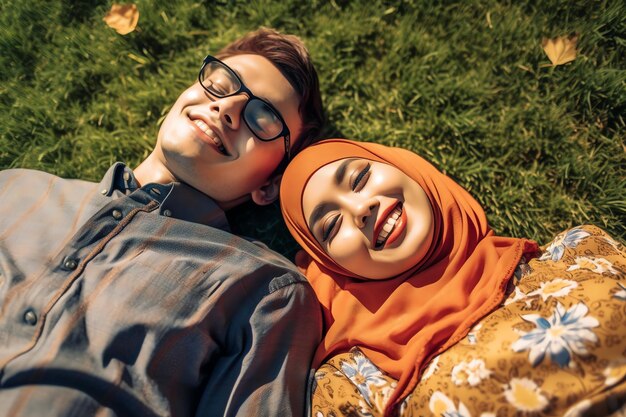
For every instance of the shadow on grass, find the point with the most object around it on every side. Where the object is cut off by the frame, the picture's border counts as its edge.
(265, 223)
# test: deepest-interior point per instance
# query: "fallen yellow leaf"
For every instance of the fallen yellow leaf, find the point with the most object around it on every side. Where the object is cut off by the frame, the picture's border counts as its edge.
(560, 50)
(122, 17)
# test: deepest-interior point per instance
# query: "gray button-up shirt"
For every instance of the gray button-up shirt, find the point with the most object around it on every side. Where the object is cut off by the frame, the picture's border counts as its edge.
(136, 301)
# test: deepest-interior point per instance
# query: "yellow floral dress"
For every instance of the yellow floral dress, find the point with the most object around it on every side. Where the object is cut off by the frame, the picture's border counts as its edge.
(555, 347)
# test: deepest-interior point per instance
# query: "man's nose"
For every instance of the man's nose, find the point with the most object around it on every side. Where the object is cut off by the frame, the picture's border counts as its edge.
(229, 109)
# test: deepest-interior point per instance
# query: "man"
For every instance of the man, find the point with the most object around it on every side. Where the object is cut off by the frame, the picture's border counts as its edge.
(130, 297)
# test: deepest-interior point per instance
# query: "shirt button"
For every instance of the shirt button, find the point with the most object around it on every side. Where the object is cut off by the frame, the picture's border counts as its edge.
(104, 192)
(167, 213)
(70, 264)
(117, 214)
(155, 191)
(30, 317)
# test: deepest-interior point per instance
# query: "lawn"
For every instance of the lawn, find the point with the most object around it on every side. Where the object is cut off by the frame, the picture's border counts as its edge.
(465, 84)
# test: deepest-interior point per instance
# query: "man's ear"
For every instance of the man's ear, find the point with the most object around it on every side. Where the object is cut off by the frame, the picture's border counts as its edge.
(268, 192)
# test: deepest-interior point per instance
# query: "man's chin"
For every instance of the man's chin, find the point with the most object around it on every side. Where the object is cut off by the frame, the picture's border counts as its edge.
(229, 204)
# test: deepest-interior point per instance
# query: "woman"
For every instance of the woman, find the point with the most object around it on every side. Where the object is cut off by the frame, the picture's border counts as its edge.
(404, 265)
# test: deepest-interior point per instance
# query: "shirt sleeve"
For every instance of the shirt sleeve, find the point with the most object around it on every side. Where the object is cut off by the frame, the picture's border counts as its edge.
(269, 373)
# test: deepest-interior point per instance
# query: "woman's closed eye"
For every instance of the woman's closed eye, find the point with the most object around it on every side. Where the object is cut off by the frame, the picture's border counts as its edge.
(360, 179)
(330, 226)
(332, 223)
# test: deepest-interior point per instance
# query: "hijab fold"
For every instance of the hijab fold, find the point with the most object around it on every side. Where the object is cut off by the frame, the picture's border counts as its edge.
(402, 322)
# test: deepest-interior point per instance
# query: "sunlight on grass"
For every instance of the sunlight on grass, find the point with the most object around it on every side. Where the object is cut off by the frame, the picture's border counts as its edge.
(465, 84)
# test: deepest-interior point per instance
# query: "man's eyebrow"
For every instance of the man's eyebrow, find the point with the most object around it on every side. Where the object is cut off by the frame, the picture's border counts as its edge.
(238, 74)
(341, 170)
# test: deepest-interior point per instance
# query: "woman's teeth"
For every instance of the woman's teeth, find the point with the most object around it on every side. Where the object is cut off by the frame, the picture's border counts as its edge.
(210, 133)
(389, 225)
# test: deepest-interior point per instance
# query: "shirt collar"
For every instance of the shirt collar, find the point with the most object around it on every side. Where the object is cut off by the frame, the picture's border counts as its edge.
(177, 200)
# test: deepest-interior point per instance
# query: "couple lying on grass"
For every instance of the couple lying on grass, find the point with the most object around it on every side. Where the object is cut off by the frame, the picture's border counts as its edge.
(131, 296)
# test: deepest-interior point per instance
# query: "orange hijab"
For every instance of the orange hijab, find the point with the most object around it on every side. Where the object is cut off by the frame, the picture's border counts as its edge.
(402, 322)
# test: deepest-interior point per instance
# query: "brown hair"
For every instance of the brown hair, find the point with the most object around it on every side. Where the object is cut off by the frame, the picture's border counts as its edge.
(290, 56)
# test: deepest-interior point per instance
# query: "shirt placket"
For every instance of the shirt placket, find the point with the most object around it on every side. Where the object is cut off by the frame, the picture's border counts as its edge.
(43, 300)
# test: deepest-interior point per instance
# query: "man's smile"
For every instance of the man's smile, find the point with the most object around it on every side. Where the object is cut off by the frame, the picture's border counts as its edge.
(208, 135)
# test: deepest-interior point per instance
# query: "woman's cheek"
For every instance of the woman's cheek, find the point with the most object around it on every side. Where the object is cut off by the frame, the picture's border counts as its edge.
(344, 247)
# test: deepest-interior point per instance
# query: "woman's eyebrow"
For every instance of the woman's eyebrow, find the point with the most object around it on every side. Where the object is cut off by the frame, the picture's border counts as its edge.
(318, 213)
(321, 209)
(341, 170)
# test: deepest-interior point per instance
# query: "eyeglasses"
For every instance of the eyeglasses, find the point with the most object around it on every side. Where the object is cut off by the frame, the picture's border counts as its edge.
(263, 120)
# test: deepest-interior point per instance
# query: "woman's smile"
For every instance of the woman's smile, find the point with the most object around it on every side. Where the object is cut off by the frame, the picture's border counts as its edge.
(389, 226)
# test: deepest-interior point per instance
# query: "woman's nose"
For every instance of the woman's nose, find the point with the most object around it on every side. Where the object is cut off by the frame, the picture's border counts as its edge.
(363, 210)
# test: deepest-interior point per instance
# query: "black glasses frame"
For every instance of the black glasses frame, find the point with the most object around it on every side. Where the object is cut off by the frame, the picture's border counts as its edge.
(243, 89)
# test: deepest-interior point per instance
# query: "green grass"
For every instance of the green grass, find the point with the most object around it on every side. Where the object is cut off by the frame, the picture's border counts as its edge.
(465, 84)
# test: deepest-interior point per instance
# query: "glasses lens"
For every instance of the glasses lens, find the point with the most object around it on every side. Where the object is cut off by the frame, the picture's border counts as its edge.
(263, 120)
(219, 79)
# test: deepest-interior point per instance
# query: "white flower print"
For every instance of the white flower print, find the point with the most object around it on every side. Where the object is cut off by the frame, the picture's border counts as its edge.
(558, 287)
(569, 239)
(441, 405)
(405, 404)
(379, 401)
(597, 265)
(433, 367)
(472, 336)
(472, 372)
(363, 374)
(612, 242)
(519, 295)
(562, 334)
(525, 395)
(615, 372)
